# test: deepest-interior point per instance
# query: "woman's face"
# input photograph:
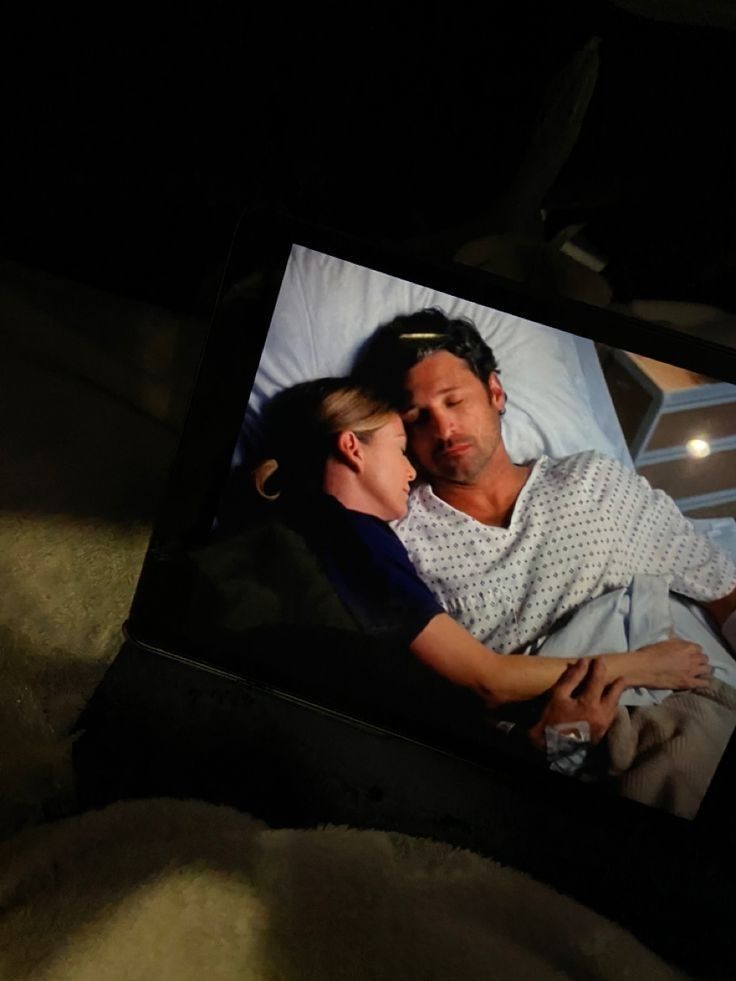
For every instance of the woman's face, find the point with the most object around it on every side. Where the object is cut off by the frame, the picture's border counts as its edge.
(388, 473)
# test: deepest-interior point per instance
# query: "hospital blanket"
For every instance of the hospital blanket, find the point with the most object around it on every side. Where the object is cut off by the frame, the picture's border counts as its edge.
(664, 748)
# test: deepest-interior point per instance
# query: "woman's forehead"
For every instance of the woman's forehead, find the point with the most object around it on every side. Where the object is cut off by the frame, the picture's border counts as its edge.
(394, 426)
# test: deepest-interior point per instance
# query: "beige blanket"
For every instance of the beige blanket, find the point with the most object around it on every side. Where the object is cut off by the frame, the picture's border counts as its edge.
(187, 891)
(666, 756)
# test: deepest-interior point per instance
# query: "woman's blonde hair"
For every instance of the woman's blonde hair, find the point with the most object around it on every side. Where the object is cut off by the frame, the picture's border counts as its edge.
(301, 426)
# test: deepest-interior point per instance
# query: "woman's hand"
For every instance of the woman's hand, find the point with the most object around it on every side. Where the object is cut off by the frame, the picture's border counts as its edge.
(676, 664)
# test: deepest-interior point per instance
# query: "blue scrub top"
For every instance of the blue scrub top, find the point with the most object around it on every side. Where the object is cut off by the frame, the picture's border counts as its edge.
(369, 569)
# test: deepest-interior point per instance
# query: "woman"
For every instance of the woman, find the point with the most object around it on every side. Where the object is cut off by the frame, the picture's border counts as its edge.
(338, 456)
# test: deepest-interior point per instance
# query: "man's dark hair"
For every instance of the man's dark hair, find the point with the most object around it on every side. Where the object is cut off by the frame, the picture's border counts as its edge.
(398, 345)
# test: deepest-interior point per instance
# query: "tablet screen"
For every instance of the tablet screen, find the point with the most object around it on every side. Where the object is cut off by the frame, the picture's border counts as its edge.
(619, 536)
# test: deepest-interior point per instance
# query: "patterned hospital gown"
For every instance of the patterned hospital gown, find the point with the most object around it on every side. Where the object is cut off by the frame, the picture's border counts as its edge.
(581, 526)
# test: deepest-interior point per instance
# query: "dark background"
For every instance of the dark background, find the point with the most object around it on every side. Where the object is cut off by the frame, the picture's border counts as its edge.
(133, 141)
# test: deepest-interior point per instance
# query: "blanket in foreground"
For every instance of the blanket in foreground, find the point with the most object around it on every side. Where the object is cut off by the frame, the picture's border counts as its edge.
(188, 890)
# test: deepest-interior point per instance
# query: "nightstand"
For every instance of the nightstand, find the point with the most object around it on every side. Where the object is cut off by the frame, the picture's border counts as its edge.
(681, 430)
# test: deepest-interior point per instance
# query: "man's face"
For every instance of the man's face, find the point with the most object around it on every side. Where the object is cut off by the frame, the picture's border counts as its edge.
(453, 422)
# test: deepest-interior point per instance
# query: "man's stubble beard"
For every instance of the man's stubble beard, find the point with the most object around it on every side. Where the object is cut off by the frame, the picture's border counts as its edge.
(465, 469)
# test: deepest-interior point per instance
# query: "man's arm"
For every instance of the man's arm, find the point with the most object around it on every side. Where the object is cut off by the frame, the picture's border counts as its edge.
(723, 611)
(450, 650)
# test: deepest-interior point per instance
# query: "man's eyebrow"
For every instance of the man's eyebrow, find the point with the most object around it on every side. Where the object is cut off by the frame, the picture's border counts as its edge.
(414, 409)
(442, 391)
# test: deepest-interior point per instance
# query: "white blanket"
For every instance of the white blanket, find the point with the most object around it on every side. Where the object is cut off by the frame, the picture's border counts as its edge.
(644, 613)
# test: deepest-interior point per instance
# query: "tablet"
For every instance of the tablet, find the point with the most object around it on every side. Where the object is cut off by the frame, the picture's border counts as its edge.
(231, 586)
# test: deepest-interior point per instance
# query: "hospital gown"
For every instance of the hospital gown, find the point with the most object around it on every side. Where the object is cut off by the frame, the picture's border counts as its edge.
(581, 526)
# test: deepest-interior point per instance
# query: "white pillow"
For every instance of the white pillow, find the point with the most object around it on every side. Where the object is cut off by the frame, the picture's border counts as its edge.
(558, 402)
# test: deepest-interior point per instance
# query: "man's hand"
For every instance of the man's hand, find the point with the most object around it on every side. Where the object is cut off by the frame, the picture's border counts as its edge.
(582, 694)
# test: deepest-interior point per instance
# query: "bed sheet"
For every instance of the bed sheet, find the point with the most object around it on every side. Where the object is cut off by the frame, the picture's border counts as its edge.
(644, 613)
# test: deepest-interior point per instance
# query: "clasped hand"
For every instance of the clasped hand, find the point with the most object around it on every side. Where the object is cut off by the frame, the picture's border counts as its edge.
(582, 694)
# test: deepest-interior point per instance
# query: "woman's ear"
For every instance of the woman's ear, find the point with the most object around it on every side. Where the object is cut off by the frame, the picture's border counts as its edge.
(350, 451)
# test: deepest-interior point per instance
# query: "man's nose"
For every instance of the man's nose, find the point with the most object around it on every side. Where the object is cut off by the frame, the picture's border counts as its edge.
(442, 424)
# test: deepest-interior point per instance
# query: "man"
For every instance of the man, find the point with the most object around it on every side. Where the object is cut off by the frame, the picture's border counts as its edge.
(445, 381)
(511, 549)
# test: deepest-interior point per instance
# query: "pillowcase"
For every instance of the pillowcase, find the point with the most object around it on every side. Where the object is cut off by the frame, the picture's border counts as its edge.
(558, 402)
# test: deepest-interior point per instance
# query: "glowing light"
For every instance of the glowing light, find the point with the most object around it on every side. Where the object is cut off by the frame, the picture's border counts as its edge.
(698, 448)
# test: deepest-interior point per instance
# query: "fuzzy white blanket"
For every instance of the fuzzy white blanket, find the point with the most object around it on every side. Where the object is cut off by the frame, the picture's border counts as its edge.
(185, 890)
